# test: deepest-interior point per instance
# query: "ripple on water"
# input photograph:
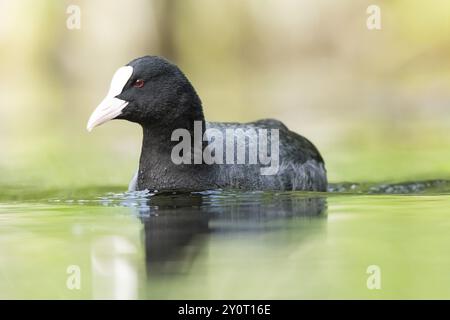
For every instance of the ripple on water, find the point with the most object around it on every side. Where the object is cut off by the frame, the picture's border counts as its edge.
(212, 198)
(413, 187)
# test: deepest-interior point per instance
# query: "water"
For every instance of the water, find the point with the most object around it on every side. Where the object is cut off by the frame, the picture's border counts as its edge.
(226, 245)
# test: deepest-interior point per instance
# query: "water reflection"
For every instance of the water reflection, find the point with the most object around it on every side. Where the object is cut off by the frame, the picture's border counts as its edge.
(114, 273)
(178, 226)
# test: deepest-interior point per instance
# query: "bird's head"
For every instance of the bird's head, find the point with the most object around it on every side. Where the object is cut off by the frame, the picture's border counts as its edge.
(150, 91)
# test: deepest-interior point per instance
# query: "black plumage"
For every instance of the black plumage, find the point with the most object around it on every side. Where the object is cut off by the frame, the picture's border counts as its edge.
(164, 100)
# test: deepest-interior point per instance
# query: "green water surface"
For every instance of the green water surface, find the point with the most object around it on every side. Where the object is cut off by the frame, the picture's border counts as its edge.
(100, 243)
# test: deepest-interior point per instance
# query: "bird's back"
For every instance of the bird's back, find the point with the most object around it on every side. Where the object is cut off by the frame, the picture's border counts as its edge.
(300, 166)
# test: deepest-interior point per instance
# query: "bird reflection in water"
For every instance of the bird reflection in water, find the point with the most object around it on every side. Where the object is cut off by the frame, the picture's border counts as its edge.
(178, 226)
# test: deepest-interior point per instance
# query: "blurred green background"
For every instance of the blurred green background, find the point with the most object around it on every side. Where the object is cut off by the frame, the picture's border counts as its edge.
(375, 102)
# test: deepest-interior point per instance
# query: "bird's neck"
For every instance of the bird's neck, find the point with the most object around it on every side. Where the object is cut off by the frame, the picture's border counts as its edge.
(157, 139)
(157, 170)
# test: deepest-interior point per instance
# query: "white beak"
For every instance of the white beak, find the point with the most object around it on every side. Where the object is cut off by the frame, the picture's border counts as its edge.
(111, 106)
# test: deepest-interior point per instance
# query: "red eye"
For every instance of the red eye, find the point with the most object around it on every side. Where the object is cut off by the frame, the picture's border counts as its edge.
(139, 83)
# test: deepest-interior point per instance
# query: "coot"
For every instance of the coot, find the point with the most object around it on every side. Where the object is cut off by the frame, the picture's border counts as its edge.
(183, 152)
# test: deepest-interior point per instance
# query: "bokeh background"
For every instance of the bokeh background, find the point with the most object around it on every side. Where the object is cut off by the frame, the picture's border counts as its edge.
(375, 102)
